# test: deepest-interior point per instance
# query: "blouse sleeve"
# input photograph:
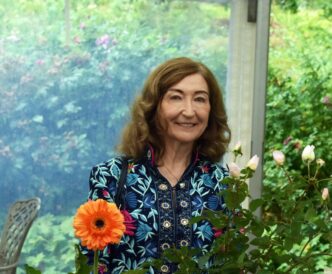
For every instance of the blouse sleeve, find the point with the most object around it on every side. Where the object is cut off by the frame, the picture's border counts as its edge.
(102, 185)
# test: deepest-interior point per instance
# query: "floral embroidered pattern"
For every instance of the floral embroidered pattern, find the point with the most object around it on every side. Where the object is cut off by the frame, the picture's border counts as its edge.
(156, 214)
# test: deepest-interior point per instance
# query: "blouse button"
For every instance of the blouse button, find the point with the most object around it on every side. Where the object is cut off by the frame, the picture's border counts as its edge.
(165, 205)
(165, 246)
(184, 221)
(164, 268)
(167, 224)
(182, 185)
(163, 187)
(183, 204)
(183, 243)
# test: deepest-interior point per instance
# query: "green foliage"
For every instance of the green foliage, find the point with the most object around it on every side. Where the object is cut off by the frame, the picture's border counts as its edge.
(295, 6)
(80, 263)
(50, 245)
(299, 112)
(31, 270)
(299, 109)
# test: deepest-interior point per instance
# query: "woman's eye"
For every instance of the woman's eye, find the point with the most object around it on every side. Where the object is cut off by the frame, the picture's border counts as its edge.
(175, 97)
(200, 99)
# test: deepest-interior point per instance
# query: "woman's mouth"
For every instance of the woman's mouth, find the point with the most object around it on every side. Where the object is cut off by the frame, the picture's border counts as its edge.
(188, 125)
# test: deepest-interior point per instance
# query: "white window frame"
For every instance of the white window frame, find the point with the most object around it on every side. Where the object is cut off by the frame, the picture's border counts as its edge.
(247, 81)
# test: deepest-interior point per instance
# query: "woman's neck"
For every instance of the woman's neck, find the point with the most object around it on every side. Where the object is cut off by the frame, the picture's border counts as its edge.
(174, 162)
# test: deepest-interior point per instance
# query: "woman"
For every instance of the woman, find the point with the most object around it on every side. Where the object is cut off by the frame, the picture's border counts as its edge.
(177, 134)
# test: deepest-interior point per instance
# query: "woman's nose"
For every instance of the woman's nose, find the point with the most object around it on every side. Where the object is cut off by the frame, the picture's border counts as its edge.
(188, 109)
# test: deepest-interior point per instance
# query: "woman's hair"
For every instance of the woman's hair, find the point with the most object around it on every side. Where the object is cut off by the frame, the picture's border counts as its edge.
(144, 128)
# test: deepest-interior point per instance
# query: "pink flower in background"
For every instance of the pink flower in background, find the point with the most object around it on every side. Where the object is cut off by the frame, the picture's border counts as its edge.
(103, 41)
(82, 26)
(278, 157)
(40, 62)
(326, 100)
(325, 193)
(234, 170)
(77, 39)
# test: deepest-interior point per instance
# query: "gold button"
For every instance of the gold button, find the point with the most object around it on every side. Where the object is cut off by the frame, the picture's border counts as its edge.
(184, 221)
(165, 246)
(163, 187)
(167, 224)
(165, 205)
(164, 268)
(183, 204)
(183, 243)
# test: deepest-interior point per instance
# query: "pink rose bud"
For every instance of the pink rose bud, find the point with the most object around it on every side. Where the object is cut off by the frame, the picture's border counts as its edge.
(308, 154)
(234, 170)
(325, 193)
(253, 162)
(278, 157)
(320, 162)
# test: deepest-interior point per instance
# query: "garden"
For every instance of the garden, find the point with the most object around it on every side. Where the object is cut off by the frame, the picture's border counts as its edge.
(66, 87)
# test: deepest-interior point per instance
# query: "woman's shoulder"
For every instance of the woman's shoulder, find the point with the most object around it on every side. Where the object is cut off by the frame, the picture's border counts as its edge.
(111, 167)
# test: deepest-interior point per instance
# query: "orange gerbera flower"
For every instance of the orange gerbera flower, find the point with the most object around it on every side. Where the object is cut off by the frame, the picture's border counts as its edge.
(99, 223)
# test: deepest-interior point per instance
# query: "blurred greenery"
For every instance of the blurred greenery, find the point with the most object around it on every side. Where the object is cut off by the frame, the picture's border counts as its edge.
(63, 106)
(51, 245)
(299, 98)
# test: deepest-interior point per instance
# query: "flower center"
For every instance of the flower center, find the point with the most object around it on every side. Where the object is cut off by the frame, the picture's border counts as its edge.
(99, 223)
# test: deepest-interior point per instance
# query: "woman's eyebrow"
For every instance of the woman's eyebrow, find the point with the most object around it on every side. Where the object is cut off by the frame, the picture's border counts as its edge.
(196, 92)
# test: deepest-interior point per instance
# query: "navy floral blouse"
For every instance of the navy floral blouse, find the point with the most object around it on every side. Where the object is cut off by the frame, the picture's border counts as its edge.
(156, 214)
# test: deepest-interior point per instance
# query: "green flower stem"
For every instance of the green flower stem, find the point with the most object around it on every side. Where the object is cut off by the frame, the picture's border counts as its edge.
(95, 262)
(316, 173)
(287, 175)
(322, 180)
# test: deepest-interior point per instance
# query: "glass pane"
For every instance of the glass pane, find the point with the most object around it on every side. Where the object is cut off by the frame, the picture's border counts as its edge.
(68, 76)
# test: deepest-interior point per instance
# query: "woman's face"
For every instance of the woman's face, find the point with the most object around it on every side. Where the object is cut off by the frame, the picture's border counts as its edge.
(184, 110)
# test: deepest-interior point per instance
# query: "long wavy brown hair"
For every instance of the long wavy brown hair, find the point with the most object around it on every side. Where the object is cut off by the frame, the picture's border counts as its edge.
(144, 128)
